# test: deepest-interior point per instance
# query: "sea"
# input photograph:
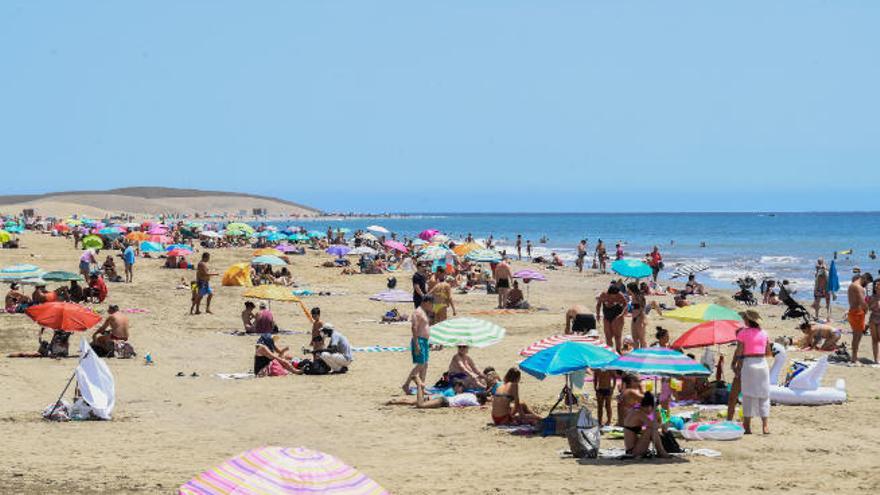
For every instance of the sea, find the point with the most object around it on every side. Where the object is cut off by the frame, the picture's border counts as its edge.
(732, 245)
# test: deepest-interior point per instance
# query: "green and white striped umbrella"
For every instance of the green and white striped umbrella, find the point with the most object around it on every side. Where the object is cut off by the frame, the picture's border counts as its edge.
(483, 256)
(472, 332)
(433, 253)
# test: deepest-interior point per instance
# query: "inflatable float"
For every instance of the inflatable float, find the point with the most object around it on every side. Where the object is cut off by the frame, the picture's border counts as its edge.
(802, 383)
(712, 430)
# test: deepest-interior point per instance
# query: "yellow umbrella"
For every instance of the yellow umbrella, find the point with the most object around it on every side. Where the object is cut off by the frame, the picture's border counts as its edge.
(463, 249)
(4, 236)
(275, 293)
(268, 252)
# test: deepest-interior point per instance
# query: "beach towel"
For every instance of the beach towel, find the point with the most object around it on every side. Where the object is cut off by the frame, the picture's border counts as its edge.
(620, 454)
(380, 348)
(242, 333)
(235, 376)
(520, 430)
(505, 311)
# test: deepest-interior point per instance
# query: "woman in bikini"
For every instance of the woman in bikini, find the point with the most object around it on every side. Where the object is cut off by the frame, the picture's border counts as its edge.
(611, 304)
(874, 318)
(820, 333)
(639, 315)
(442, 292)
(507, 409)
(641, 429)
(630, 396)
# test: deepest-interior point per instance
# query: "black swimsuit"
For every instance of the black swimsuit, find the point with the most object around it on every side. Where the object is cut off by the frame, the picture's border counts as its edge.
(613, 311)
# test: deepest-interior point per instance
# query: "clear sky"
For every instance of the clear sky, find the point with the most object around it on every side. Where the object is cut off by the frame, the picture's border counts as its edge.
(458, 105)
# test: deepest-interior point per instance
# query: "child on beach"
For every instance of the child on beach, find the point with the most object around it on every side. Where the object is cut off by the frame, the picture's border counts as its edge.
(603, 384)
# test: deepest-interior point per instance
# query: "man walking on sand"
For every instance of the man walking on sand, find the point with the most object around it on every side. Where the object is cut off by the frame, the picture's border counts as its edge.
(203, 282)
(503, 276)
(128, 258)
(856, 315)
(421, 332)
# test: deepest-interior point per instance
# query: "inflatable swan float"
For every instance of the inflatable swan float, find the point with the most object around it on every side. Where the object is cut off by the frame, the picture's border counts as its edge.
(804, 388)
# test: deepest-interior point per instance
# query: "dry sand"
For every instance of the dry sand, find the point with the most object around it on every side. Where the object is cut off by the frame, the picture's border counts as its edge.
(166, 429)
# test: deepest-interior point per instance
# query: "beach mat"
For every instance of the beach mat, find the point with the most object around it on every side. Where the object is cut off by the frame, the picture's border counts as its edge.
(380, 348)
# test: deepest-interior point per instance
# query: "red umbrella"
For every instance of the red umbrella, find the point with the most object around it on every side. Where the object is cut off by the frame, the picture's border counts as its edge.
(63, 316)
(708, 333)
(179, 252)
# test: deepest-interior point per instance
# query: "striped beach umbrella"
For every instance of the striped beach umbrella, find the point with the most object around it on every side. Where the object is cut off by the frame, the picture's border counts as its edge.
(279, 470)
(566, 358)
(20, 272)
(472, 332)
(698, 313)
(559, 339)
(483, 256)
(658, 361)
(61, 276)
(395, 246)
(432, 253)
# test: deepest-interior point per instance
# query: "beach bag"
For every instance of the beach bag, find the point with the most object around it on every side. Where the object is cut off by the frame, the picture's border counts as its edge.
(316, 367)
(583, 437)
(275, 369)
(670, 444)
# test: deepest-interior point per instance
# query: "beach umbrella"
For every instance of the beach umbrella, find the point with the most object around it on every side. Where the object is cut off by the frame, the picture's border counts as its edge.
(484, 256)
(395, 246)
(179, 252)
(60, 227)
(285, 248)
(137, 236)
(161, 239)
(73, 222)
(688, 269)
(370, 237)
(432, 253)
(210, 233)
(699, 313)
(298, 237)
(20, 272)
(427, 235)
(268, 252)
(378, 229)
(278, 470)
(631, 268)
(17, 229)
(530, 276)
(708, 333)
(440, 238)
(362, 250)
(109, 231)
(157, 230)
(270, 293)
(315, 234)
(463, 249)
(560, 339)
(268, 260)
(393, 296)
(4, 236)
(339, 250)
(275, 237)
(92, 242)
(419, 242)
(566, 357)
(151, 247)
(60, 276)
(131, 225)
(63, 316)
(833, 280)
(472, 332)
(172, 247)
(11, 223)
(343, 230)
(658, 361)
(240, 227)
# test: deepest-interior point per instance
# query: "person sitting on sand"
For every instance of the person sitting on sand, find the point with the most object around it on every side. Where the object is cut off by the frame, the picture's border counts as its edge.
(284, 278)
(97, 290)
(109, 268)
(337, 354)
(459, 398)
(267, 352)
(630, 395)
(75, 292)
(515, 298)
(462, 368)
(578, 319)
(265, 320)
(16, 301)
(40, 295)
(680, 300)
(507, 409)
(662, 336)
(692, 287)
(248, 318)
(641, 429)
(820, 333)
(114, 329)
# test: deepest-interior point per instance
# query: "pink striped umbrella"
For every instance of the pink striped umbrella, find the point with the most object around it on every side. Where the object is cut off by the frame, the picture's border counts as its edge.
(396, 245)
(281, 470)
(559, 339)
(529, 275)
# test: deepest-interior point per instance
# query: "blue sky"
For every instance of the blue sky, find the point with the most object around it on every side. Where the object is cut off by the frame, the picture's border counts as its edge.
(450, 105)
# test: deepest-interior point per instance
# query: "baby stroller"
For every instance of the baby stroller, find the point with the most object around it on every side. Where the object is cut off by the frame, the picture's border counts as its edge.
(793, 309)
(745, 294)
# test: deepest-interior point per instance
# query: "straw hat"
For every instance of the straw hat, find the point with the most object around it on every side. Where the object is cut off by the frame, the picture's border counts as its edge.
(750, 315)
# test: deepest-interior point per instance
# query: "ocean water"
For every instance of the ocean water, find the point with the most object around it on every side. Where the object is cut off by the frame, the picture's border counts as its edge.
(781, 245)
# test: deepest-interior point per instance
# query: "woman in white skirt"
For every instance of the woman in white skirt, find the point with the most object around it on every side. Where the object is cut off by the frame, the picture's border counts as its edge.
(753, 345)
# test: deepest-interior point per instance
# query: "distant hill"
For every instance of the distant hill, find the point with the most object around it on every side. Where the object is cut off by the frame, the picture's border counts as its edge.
(151, 201)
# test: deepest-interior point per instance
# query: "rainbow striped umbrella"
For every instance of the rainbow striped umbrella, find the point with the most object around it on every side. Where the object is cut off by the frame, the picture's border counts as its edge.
(279, 470)
(559, 339)
(472, 332)
(658, 361)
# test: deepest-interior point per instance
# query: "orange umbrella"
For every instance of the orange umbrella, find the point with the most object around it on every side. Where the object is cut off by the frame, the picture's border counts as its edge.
(137, 236)
(63, 316)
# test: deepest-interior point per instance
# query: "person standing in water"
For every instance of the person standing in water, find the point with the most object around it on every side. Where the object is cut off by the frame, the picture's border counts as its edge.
(529, 249)
(581, 255)
(602, 256)
(820, 288)
(519, 247)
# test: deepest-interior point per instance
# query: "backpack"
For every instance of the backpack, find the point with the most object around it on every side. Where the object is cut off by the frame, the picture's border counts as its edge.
(583, 438)
(670, 444)
(392, 282)
(316, 367)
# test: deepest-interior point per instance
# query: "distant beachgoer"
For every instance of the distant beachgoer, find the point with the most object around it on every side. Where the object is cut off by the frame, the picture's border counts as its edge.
(248, 318)
(503, 277)
(420, 326)
(611, 305)
(519, 246)
(601, 255)
(337, 354)
(317, 341)
(581, 255)
(820, 288)
(858, 307)
(618, 252)
(203, 281)
(639, 315)
(128, 259)
(86, 260)
(442, 293)
(114, 329)
(507, 408)
(265, 320)
(419, 284)
(655, 261)
(579, 320)
(753, 345)
(693, 287)
(874, 320)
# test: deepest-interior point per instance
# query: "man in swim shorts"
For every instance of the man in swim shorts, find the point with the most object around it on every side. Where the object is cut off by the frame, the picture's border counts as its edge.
(858, 306)
(203, 281)
(503, 276)
(421, 332)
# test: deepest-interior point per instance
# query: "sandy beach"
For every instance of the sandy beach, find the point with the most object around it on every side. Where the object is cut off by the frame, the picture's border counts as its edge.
(166, 428)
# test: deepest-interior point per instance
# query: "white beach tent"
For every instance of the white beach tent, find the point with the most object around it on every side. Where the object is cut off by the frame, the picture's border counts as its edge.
(96, 384)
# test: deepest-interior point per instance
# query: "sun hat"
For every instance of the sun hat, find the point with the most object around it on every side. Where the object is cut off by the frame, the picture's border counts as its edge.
(750, 315)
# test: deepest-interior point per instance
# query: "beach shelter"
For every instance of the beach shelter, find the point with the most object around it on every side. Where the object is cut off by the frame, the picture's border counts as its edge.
(657, 361)
(472, 332)
(237, 275)
(61, 276)
(271, 293)
(279, 470)
(378, 229)
(268, 260)
(709, 333)
(631, 268)
(92, 242)
(698, 313)
(393, 296)
(63, 316)
(95, 382)
(559, 339)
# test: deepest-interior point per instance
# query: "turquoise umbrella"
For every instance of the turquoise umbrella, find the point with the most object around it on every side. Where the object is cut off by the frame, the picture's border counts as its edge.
(566, 358)
(631, 268)
(657, 361)
(298, 237)
(268, 260)
(151, 247)
(60, 276)
(315, 233)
